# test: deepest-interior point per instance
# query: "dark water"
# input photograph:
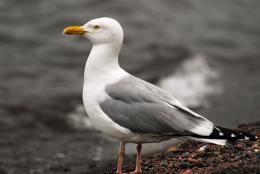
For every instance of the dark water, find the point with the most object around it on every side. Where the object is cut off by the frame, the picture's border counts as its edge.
(41, 70)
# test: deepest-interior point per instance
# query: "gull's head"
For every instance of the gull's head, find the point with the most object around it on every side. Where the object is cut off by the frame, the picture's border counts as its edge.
(99, 31)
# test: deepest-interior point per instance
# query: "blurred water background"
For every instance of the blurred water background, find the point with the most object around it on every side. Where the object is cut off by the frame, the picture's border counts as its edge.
(204, 52)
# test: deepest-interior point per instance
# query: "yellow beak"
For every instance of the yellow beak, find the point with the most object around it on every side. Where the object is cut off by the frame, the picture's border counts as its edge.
(74, 30)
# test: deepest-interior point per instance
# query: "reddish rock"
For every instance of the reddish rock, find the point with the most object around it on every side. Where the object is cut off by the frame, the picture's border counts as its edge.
(187, 172)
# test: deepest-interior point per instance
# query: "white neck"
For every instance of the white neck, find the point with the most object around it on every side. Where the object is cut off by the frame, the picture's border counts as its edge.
(102, 61)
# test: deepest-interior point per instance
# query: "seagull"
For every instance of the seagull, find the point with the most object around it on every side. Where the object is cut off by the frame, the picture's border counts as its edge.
(130, 109)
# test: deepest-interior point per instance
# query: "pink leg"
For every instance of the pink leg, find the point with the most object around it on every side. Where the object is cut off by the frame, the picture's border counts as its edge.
(120, 159)
(138, 168)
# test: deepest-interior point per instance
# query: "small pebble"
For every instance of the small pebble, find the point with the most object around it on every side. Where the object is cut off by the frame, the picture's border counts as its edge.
(185, 154)
(189, 171)
(255, 146)
(240, 146)
(249, 153)
(185, 165)
(258, 156)
(195, 161)
(171, 155)
(203, 148)
(174, 149)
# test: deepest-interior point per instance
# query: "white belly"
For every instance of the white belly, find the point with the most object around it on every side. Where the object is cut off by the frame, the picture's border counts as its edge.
(92, 95)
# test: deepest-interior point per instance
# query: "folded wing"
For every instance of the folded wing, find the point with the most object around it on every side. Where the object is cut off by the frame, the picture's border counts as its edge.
(145, 108)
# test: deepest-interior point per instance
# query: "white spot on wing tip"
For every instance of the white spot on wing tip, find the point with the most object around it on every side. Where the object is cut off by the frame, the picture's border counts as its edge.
(221, 134)
(233, 135)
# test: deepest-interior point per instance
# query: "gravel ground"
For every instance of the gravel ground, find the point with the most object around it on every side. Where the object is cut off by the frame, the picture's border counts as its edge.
(192, 157)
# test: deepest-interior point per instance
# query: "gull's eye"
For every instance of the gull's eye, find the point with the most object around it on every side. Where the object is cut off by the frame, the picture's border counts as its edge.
(96, 27)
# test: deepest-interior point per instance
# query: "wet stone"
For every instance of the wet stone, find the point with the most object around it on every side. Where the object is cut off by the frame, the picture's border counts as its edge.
(185, 165)
(171, 155)
(185, 154)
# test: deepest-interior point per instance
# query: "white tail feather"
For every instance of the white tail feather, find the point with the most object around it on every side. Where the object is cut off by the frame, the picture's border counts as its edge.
(214, 141)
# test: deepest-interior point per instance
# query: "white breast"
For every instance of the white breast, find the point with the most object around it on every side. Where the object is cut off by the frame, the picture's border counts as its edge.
(93, 94)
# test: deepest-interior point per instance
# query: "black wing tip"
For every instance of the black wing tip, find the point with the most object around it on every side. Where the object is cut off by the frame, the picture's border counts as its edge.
(229, 134)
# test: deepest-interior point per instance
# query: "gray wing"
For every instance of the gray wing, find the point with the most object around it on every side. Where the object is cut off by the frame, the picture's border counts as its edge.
(144, 108)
